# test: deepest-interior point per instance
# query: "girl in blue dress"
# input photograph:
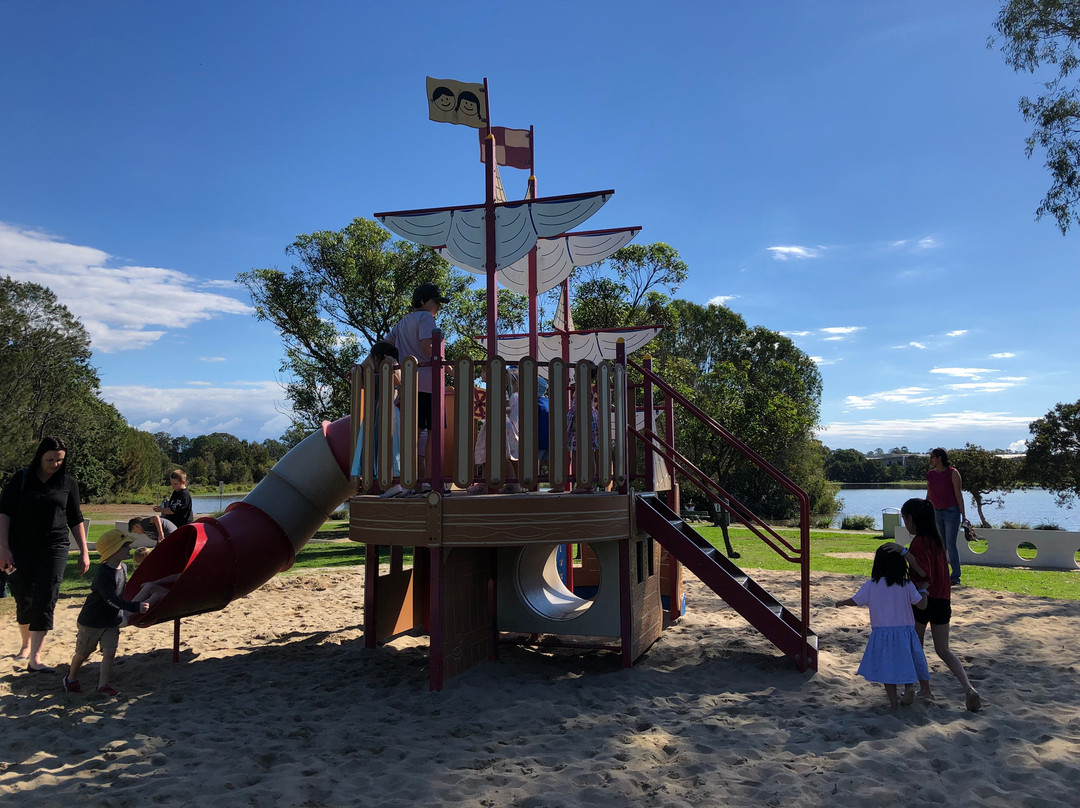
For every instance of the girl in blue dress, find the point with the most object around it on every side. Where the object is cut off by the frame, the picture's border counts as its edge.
(894, 654)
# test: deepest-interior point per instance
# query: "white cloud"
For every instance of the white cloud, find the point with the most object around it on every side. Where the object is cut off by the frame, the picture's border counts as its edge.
(212, 359)
(842, 329)
(793, 251)
(982, 387)
(720, 300)
(795, 333)
(918, 345)
(959, 333)
(916, 396)
(925, 243)
(253, 410)
(968, 373)
(116, 304)
(1018, 446)
(1013, 378)
(909, 429)
(821, 360)
(1004, 355)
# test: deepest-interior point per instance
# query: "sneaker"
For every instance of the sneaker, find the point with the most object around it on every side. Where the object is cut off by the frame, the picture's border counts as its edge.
(973, 701)
(393, 491)
(72, 687)
(105, 690)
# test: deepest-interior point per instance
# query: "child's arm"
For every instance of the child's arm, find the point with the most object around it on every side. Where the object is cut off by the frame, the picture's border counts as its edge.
(847, 602)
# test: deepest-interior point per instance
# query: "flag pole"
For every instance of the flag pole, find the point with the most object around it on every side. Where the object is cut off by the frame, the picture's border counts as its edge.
(489, 221)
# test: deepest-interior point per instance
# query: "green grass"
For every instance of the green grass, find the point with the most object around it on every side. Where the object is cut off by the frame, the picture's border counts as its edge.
(330, 548)
(757, 555)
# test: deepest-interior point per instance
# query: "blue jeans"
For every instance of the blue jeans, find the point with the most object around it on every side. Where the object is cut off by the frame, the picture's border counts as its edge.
(948, 525)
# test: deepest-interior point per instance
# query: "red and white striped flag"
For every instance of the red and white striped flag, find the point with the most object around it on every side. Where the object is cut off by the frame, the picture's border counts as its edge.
(512, 147)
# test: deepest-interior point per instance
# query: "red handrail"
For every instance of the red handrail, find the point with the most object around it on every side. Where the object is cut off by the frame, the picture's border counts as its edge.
(654, 443)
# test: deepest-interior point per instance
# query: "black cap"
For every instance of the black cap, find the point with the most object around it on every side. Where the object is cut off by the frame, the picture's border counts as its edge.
(425, 292)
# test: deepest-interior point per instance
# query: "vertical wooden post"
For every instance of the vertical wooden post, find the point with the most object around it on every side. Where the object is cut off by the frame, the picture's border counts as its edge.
(436, 657)
(371, 582)
(438, 393)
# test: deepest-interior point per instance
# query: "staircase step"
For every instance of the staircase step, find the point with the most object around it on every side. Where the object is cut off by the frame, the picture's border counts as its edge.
(775, 608)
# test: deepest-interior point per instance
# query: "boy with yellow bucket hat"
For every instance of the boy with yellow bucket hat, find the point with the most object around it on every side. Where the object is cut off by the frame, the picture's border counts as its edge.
(101, 615)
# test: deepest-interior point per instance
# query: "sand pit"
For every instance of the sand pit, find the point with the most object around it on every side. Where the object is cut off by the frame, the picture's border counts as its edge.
(277, 703)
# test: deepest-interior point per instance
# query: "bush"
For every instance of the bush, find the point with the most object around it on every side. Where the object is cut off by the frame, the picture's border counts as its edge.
(1047, 526)
(859, 521)
(1015, 525)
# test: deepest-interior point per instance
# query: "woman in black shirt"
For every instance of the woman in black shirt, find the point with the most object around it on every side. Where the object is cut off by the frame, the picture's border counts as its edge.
(37, 508)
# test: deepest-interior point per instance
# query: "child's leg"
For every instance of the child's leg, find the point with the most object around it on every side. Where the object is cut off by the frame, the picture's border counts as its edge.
(73, 670)
(110, 639)
(924, 685)
(24, 636)
(107, 656)
(894, 701)
(941, 646)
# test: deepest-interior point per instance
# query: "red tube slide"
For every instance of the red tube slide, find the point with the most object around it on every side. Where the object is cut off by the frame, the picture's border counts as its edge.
(213, 561)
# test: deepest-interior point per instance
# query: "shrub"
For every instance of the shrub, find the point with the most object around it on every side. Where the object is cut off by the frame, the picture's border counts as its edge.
(859, 521)
(1015, 525)
(1047, 526)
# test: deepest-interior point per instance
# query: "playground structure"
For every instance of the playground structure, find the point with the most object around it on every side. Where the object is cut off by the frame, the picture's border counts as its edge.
(485, 568)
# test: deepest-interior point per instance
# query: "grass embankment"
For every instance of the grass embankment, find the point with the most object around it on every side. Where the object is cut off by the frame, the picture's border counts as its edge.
(824, 544)
(330, 547)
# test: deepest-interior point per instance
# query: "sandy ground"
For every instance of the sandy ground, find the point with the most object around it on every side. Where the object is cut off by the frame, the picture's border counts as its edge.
(277, 703)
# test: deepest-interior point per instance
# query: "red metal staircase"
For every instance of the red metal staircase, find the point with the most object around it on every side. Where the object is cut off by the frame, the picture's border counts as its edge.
(779, 625)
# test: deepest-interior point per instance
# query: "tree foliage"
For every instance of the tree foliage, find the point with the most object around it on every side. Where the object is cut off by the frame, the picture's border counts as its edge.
(49, 388)
(759, 386)
(46, 381)
(1053, 453)
(347, 290)
(983, 472)
(1038, 34)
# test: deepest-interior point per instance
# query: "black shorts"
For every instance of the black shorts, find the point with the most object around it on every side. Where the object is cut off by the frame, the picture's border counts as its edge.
(938, 612)
(423, 411)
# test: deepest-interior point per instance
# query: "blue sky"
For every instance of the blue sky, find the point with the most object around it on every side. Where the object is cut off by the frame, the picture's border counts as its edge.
(849, 173)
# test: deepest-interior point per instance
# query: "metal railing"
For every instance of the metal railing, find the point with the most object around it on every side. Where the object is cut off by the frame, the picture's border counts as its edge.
(663, 446)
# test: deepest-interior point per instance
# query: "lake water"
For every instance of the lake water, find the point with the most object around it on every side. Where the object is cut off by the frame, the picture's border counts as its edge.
(1031, 506)
(214, 503)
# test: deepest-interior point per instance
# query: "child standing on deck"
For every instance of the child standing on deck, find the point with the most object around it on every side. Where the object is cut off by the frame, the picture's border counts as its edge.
(929, 562)
(894, 654)
(100, 618)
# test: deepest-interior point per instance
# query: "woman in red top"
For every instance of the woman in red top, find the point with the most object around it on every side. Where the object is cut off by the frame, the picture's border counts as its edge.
(930, 572)
(943, 488)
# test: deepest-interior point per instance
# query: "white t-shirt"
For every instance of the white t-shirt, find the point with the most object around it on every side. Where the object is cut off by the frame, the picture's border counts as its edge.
(406, 336)
(889, 605)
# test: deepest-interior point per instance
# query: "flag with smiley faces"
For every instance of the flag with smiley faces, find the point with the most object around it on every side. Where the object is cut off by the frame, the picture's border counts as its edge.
(459, 102)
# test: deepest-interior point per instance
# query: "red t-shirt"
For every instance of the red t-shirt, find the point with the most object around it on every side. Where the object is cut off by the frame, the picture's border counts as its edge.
(931, 557)
(939, 488)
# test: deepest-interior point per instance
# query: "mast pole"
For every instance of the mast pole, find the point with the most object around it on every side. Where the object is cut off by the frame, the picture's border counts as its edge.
(489, 222)
(534, 316)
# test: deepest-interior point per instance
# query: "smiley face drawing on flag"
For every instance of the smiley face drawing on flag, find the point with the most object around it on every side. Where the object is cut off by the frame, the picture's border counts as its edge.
(457, 102)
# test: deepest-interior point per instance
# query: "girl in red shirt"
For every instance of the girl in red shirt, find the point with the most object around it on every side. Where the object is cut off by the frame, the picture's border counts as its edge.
(928, 560)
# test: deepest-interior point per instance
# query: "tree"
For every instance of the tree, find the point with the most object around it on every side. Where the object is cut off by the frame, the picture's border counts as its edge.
(984, 472)
(349, 288)
(623, 290)
(1053, 453)
(1045, 33)
(46, 381)
(759, 386)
